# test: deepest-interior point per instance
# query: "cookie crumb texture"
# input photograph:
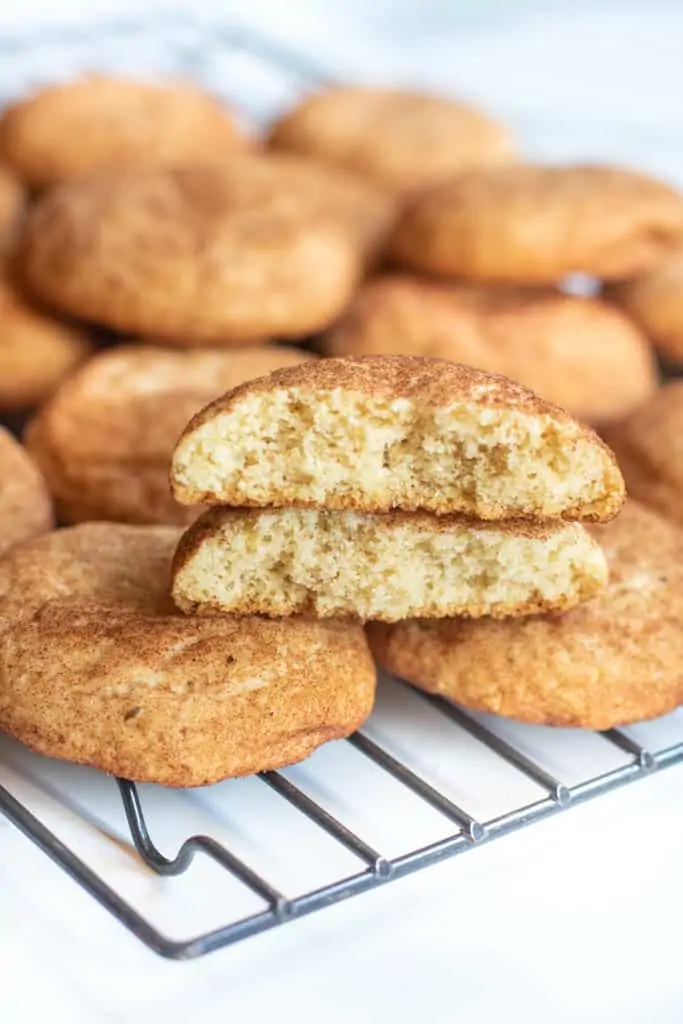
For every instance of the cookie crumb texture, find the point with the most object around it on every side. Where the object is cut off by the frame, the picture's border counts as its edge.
(380, 567)
(614, 660)
(376, 434)
(99, 668)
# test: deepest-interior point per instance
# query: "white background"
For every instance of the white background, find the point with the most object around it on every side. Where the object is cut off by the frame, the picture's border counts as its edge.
(577, 918)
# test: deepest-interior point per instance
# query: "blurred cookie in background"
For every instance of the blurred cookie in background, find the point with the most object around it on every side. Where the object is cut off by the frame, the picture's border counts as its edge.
(399, 139)
(655, 301)
(104, 441)
(218, 255)
(395, 433)
(36, 352)
(25, 505)
(580, 353)
(12, 203)
(100, 122)
(648, 445)
(532, 224)
(615, 660)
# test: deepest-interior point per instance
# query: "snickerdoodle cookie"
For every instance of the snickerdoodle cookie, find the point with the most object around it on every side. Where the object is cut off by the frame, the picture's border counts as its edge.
(98, 667)
(648, 445)
(655, 301)
(616, 659)
(580, 353)
(100, 122)
(536, 224)
(377, 433)
(104, 441)
(36, 351)
(381, 567)
(213, 255)
(401, 139)
(11, 206)
(25, 506)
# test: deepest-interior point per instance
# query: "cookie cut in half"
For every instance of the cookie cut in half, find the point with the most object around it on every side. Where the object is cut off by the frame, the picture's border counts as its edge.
(98, 667)
(375, 434)
(380, 567)
(615, 660)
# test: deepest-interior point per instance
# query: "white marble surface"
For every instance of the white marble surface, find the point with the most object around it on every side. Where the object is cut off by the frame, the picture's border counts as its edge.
(573, 919)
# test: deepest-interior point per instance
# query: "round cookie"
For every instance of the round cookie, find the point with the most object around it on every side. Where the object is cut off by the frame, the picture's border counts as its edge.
(535, 225)
(655, 301)
(403, 140)
(203, 255)
(104, 441)
(647, 445)
(97, 667)
(36, 352)
(395, 433)
(11, 205)
(615, 660)
(580, 353)
(99, 122)
(25, 505)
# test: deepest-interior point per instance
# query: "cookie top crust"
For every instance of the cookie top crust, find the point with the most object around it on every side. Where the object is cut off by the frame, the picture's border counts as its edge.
(533, 224)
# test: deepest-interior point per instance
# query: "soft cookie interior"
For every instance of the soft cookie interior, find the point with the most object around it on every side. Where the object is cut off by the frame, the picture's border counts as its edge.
(346, 449)
(380, 567)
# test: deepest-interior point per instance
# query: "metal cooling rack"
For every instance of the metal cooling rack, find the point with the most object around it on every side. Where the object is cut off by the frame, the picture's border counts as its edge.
(235, 62)
(375, 869)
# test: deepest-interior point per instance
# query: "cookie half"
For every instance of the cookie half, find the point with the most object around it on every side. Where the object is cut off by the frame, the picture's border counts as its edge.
(380, 567)
(655, 301)
(218, 255)
(400, 139)
(25, 505)
(97, 667)
(374, 434)
(615, 660)
(104, 441)
(647, 445)
(36, 352)
(101, 122)
(535, 225)
(581, 353)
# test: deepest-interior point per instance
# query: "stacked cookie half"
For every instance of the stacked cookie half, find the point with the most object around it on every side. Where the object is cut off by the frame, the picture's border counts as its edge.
(389, 488)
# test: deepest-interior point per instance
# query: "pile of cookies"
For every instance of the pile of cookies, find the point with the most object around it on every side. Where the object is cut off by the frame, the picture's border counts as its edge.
(287, 345)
